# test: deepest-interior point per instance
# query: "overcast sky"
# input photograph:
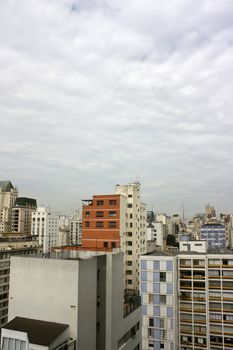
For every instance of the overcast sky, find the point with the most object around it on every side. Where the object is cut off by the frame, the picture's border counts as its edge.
(95, 93)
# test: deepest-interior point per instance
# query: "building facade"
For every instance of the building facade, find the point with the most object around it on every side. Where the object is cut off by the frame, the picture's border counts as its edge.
(8, 194)
(45, 224)
(88, 296)
(214, 234)
(135, 232)
(202, 307)
(75, 228)
(21, 221)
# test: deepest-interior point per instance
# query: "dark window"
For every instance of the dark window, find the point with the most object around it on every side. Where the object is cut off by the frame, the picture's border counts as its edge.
(87, 213)
(99, 214)
(112, 224)
(87, 224)
(130, 195)
(105, 244)
(113, 244)
(99, 224)
(129, 205)
(112, 213)
(162, 276)
(100, 202)
(112, 202)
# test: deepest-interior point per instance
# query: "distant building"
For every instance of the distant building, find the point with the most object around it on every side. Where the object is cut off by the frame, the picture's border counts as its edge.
(22, 214)
(214, 234)
(64, 230)
(75, 229)
(8, 194)
(45, 224)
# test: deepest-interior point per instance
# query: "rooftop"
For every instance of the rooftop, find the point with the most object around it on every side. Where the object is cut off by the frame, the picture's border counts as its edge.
(218, 251)
(39, 332)
(6, 186)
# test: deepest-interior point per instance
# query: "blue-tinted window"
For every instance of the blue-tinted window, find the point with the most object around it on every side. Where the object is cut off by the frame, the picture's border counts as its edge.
(143, 287)
(156, 265)
(143, 264)
(156, 276)
(156, 288)
(156, 299)
(156, 310)
(169, 289)
(169, 266)
(144, 276)
(169, 312)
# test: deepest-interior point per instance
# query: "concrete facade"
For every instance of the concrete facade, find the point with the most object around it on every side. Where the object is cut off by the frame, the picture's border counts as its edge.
(45, 224)
(8, 195)
(87, 294)
(135, 236)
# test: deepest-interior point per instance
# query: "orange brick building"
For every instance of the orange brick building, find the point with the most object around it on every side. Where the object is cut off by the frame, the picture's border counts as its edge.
(102, 219)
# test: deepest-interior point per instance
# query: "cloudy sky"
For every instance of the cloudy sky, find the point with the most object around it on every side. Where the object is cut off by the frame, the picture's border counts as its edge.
(95, 93)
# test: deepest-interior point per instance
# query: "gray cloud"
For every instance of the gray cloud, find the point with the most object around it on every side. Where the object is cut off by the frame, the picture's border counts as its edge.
(94, 93)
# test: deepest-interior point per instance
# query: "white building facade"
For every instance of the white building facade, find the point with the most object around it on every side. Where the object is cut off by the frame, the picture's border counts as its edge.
(45, 224)
(135, 232)
(8, 195)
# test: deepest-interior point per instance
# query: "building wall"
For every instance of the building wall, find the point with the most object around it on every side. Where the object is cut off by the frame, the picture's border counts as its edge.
(101, 222)
(158, 292)
(215, 235)
(7, 200)
(135, 240)
(45, 289)
(45, 224)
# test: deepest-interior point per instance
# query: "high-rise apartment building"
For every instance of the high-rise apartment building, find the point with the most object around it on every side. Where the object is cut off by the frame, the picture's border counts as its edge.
(45, 224)
(135, 232)
(22, 214)
(103, 222)
(215, 235)
(8, 194)
(187, 299)
(75, 229)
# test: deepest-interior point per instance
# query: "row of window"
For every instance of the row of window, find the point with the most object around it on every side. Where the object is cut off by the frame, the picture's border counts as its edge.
(100, 214)
(99, 224)
(101, 202)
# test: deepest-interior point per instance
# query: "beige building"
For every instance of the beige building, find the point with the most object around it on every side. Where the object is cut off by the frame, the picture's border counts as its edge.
(8, 195)
(135, 233)
(22, 215)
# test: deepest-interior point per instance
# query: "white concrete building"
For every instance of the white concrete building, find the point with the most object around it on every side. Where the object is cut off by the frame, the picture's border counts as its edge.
(135, 236)
(45, 224)
(8, 195)
(22, 215)
(84, 293)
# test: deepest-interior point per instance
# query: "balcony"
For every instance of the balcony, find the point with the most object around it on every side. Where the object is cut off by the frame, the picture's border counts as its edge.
(132, 301)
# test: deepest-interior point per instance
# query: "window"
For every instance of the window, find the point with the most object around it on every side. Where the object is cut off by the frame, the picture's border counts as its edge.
(99, 224)
(87, 223)
(112, 202)
(99, 214)
(150, 298)
(131, 216)
(151, 322)
(112, 224)
(162, 276)
(87, 213)
(100, 202)
(113, 244)
(105, 244)
(130, 195)
(112, 213)
(161, 323)
(163, 299)
(129, 205)
(129, 234)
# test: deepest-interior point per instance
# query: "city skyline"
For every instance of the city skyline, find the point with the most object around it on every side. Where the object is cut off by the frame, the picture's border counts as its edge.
(96, 93)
